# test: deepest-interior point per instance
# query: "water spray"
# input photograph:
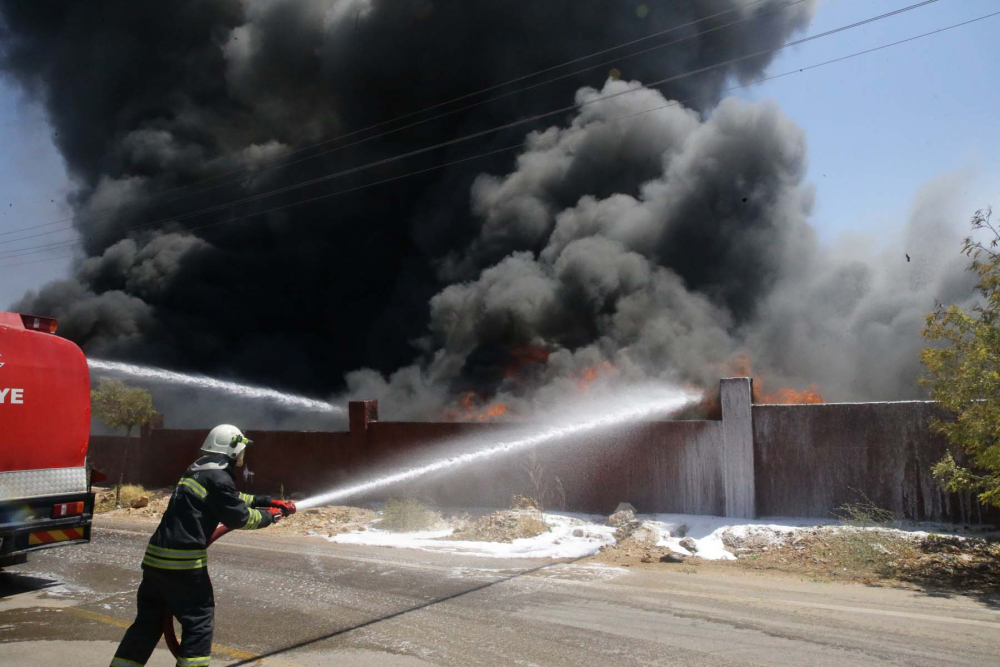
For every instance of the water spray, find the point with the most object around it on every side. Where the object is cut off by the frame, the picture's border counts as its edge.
(658, 402)
(149, 373)
(666, 402)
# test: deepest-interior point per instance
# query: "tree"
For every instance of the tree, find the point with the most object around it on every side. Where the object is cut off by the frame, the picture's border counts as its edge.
(121, 406)
(963, 371)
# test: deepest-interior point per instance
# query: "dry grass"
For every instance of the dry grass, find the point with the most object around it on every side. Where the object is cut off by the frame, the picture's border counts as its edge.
(131, 494)
(971, 565)
(881, 556)
(869, 551)
(868, 543)
(406, 515)
(503, 526)
(519, 502)
(841, 553)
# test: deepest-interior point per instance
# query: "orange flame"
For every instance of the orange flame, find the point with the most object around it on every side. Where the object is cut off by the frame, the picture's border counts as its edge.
(788, 396)
(498, 410)
(742, 366)
(589, 375)
(468, 409)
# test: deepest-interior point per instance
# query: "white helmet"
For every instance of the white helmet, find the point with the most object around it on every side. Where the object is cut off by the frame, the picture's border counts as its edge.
(225, 439)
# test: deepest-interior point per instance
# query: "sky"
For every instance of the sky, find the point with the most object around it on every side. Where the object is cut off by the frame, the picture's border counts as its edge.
(879, 127)
(33, 189)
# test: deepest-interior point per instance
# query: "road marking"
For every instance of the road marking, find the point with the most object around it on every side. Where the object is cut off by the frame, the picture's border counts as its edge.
(100, 618)
(228, 651)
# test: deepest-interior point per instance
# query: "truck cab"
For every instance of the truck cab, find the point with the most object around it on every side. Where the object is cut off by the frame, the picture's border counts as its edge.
(45, 498)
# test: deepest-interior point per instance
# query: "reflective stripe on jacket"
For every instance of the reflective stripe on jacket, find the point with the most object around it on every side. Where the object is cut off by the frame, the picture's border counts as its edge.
(204, 497)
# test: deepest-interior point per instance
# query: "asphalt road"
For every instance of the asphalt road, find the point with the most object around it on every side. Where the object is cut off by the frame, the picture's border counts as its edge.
(305, 602)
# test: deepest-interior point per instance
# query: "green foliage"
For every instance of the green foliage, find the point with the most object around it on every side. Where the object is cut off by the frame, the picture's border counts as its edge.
(963, 371)
(121, 406)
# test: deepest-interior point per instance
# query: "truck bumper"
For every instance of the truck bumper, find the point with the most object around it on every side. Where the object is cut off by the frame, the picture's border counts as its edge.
(27, 525)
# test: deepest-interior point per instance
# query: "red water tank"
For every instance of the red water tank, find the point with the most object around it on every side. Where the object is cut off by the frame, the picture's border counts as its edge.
(44, 397)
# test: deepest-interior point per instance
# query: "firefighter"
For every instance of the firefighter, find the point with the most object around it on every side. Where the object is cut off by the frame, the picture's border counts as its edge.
(174, 568)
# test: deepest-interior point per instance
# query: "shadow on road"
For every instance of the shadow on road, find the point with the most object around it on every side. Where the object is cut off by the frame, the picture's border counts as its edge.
(402, 612)
(951, 567)
(14, 583)
(985, 593)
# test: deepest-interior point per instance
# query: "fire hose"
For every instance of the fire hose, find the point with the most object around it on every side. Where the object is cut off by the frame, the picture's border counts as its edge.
(285, 508)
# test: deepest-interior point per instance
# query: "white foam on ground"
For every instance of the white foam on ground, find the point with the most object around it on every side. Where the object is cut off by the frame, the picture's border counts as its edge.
(708, 532)
(559, 542)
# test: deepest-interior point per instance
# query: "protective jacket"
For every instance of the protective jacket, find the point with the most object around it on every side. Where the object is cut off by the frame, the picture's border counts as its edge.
(204, 497)
(175, 577)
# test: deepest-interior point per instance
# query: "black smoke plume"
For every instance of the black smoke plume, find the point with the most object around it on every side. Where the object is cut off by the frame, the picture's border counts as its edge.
(657, 246)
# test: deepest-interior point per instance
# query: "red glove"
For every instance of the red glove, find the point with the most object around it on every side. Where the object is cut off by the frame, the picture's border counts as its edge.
(276, 514)
(285, 506)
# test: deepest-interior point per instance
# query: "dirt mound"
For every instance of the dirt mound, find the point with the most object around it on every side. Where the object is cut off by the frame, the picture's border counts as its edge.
(137, 502)
(756, 538)
(971, 563)
(634, 545)
(326, 521)
(503, 526)
(838, 553)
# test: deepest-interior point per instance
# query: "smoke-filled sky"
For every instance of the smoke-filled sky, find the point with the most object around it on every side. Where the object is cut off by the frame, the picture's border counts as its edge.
(662, 246)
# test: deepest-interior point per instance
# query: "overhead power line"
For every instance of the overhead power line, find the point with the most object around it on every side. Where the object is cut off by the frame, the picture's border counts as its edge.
(481, 133)
(467, 107)
(37, 261)
(568, 131)
(439, 105)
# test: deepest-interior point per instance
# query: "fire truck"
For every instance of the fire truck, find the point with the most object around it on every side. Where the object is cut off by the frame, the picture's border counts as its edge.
(45, 497)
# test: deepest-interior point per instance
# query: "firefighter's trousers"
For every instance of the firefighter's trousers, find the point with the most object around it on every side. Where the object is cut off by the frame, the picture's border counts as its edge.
(188, 596)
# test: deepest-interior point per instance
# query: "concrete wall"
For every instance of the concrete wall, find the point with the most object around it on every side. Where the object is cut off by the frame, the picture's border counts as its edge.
(106, 453)
(297, 460)
(665, 466)
(811, 459)
(657, 466)
(736, 397)
(758, 460)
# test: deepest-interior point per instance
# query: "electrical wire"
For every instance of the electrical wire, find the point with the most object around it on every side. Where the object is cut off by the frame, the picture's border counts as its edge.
(38, 261)
(469, 106)
(38, 249)
(568, 131)
(481, 133)
(245, 170)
